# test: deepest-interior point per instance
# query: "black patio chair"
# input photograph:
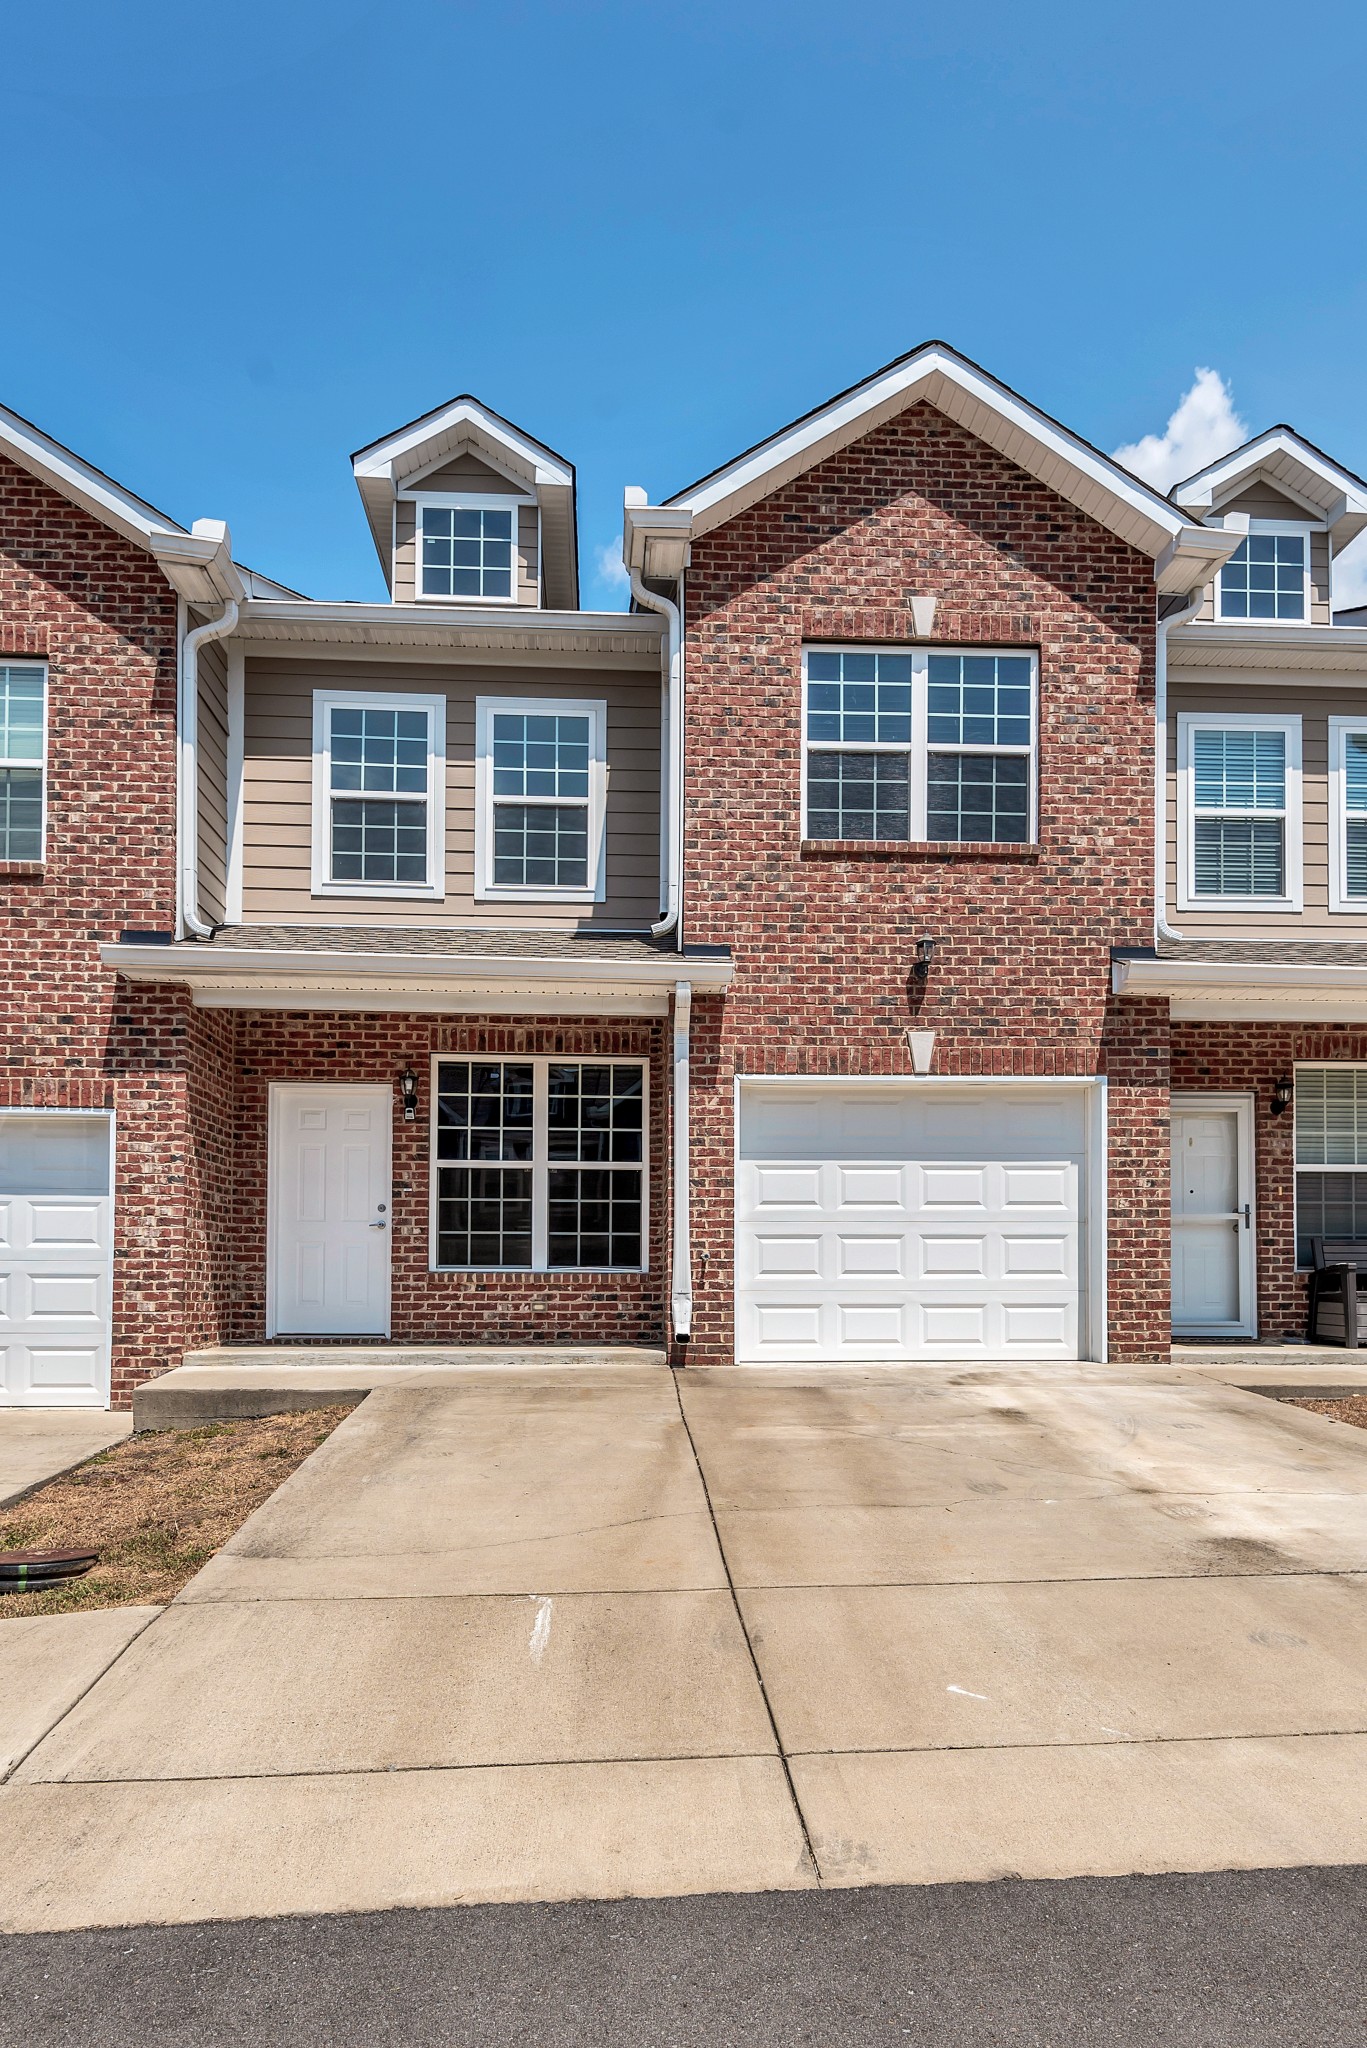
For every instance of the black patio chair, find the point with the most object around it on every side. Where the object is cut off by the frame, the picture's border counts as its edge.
(1333, 1314)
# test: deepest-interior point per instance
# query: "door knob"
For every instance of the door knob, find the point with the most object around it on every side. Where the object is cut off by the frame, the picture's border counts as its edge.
(381, 1225)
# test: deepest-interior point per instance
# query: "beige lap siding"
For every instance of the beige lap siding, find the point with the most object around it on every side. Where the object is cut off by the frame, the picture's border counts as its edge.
(428, 1307)
(1314, 704)
(213, 778)
(278, 784)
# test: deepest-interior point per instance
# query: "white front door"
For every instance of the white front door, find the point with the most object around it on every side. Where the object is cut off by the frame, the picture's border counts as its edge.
(56, 1224)
(330, 1211)
(1212, 1216)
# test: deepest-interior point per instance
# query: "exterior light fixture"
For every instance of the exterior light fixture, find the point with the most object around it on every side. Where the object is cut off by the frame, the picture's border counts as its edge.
(922, 954)
(1282, 1092)
(408, 1088)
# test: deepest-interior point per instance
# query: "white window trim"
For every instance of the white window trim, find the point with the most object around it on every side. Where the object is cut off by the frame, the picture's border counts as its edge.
(6, 761)
(539, 1162)
(1304, 528)
(919, 747)
(473, 501)
(596, 711)
(1339, 899)
(1298, 1165)
(1189, 722)
(324, 703)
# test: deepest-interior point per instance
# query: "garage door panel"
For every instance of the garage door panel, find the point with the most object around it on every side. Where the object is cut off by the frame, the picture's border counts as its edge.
(779, 1187)
(1051, 1255)
(790, 1256)
(64, 1227)
(870, 1187)
(949, 1258)
(871, 1327)
(56, 1221)
(883, 1256)
(953, 1187)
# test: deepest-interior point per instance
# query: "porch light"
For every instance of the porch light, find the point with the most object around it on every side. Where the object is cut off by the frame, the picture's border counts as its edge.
(408, 1087)
(922, 954)
(1282, 1092)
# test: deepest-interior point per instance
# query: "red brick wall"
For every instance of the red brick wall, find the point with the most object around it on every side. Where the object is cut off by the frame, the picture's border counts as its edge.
(823, 942)
(103, 616)
(444, 1308)
(1249, 1058)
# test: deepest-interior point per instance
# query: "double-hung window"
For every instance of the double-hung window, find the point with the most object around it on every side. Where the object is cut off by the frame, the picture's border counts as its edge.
(1331, 1154)
(1240, 797)
(1268, 575)
(919, 745)
(467, 549)
(1348, 814)
(378, 787)
(23, 709)
(539, 1164)
(541, 777)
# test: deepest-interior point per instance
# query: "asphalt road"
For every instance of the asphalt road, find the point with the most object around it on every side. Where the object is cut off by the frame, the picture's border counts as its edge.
(1229, 1961)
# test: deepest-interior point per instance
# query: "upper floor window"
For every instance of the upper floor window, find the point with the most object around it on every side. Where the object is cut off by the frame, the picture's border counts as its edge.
(1267, 576)
(919, 745)
(541, 775)
(1239, 784)
(23, 707)
(468, 549)
(1348, 813)
(377, 794)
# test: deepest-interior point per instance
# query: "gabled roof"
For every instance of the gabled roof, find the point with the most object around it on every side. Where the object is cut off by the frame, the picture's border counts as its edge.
(385, 467)
(1293, 465)
(986, 408)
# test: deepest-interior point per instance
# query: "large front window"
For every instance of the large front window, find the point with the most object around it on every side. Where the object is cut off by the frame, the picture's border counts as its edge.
(1265, 578)
(1331, 1154)
(23, 691)
(539, 1164)
(914, 745)
(1241, 837)
(468, 551)
(377, 794)
(542, 782)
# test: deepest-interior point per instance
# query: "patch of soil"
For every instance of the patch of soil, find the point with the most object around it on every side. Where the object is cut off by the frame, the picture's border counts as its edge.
(1352, 1408)
(156, 1507)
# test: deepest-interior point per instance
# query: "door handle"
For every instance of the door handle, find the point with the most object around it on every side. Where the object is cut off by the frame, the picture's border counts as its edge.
(1248, 1216)
(382, 1225)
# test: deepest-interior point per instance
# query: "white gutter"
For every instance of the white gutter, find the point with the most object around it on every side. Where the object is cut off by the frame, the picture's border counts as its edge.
(1162, 929)
(671, 752)
(187, 764)
(681, 1264)
(1149, 976)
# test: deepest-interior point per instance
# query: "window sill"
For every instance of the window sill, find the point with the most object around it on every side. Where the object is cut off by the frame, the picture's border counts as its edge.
(22, 870)
(920, 849)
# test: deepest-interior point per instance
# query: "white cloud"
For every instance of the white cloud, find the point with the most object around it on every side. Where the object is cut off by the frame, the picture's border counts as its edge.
(1204, 427)
(609, 568)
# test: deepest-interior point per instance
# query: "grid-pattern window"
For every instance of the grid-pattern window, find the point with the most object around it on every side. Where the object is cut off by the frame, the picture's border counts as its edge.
(1265, 578)
(1331, 1154)
(23, 691)
(540, 818)
(915, 745)
(467, 550)
(1355, 814)
(540, 1164)
(379, 776)
(1238, 781)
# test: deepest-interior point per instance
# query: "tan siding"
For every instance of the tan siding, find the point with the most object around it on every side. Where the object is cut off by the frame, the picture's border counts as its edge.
(213, 780)
(278, 791)
(528, 574)
(1315, 706)
(404, 585)
(465, 473)
(405, 551)
(1264, 501)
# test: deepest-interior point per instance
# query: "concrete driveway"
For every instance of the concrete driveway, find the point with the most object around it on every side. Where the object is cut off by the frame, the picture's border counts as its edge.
(601, 1632)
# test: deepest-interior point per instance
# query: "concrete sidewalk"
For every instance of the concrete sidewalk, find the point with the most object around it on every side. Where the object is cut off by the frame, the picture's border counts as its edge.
(38, 1443)
(561, 1634)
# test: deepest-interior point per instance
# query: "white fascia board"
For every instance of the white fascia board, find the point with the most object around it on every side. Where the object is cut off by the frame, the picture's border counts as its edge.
(984, 407)
(1192, 557)
(387, 458)
(342, 622)
(266, 969)
(1229, 643)
(78, 481)
(1232, 980)
(1284, 459)
(200, 564)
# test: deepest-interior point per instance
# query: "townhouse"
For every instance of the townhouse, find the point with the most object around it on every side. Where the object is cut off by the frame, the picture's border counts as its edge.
(927, 925)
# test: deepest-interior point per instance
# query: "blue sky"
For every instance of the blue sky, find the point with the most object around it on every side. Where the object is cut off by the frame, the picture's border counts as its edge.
(242, 241)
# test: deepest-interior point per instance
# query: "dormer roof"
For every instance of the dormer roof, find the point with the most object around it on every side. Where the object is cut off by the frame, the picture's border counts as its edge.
(1184, 556)
(396, 463)
(1329, 494)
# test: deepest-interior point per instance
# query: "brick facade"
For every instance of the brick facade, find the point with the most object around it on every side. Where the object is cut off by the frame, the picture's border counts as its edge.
(823, 935)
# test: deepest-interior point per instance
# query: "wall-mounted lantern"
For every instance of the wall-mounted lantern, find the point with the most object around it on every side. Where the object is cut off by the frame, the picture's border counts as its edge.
(1282, 1093)
(922, 954)
(408, 1088)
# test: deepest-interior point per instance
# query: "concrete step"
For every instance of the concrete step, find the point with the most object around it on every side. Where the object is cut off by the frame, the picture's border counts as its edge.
(271, 1379)
(1314, 1372)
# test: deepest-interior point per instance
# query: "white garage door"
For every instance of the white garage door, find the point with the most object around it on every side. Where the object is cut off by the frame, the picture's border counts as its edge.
(55, 1225)
(900, 1223)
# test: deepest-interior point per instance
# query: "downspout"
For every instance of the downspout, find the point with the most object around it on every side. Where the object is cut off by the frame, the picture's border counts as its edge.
(1188, 610)
(187, 763)
(671, 747)
(681, 1265)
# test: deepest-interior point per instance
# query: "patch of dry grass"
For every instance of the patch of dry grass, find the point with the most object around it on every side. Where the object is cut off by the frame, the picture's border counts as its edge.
(157, 1507)
(1351, 1408)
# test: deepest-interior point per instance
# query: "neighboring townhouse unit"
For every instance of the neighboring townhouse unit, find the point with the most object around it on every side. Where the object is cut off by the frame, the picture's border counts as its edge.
(784, 970)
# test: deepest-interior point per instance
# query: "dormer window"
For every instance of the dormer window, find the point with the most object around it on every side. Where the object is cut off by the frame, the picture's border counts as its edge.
(1267, 577)
(467, 549)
